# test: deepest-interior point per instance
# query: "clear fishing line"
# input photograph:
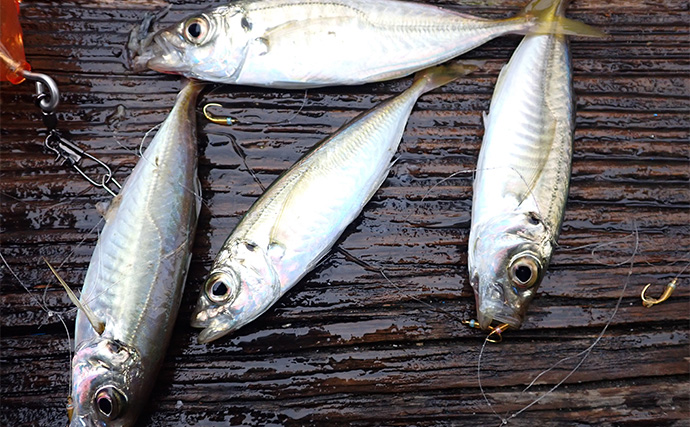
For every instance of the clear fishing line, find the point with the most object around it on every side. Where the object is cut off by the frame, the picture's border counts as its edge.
(50, 314)
(585, 353)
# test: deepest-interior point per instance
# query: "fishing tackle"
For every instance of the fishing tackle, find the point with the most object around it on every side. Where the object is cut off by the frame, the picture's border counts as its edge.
(648, 302)
(498, 330)
(15, 69)
(215, 119)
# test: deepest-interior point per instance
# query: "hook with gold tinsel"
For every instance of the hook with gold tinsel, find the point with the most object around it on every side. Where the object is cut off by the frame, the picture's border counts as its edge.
(649, 302)
(495, 336)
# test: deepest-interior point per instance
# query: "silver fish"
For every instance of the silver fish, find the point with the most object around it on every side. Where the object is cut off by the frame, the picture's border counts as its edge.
(523, 174)
(137, 272)
(301, 215)
(310, 43)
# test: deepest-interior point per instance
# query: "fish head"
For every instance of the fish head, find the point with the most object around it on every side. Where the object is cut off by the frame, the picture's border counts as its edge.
(507, 261)
(241, 286)
(207, 46)
(107, 384)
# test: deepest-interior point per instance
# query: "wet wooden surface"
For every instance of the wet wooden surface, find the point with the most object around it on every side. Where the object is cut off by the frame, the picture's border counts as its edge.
(345, 346)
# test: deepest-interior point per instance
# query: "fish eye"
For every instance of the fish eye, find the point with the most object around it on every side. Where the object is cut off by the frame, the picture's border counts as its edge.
(196, 29)
(524, 271)
(109, 402)
(218, 289)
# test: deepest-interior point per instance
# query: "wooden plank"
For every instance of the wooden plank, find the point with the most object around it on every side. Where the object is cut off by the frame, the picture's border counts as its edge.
(346, 346)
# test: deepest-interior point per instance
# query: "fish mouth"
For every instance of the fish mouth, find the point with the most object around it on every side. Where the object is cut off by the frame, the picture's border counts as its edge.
(486, 319)
(489, 311)
(214, 321)
(218, 328)
(156, 52)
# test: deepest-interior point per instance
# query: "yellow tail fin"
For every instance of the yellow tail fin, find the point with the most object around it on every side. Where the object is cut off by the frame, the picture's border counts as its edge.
(440, 75)
(549, 19)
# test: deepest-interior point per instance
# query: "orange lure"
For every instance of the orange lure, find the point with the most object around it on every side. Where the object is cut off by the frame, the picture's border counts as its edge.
(11, 44)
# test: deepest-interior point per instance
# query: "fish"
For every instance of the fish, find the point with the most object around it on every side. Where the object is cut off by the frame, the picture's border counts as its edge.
(297, 44)
(136, 276)
(294, 224)
(523, 174)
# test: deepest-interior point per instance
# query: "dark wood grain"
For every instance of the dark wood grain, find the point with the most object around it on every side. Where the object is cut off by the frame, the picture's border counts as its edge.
(346, 346)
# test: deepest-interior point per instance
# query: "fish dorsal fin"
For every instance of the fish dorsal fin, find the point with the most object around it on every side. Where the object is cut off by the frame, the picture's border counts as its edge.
(277, 235)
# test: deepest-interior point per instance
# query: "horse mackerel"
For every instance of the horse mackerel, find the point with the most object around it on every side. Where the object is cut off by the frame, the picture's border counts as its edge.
(136, 275)
(311, 43)
(293, 225)
(523, 175)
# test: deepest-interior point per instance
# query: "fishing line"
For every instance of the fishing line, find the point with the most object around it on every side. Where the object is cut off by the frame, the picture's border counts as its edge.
(62, 263)
(381, 271)
(585, 353)
(596, 246)
(143, 140)
(232, 121)
(473, 171)
(240, 151)
(43, 304)
(287, 120)
(50, 313)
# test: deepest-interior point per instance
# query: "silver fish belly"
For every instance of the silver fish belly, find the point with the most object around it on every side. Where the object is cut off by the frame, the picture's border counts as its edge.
(301, 215)
(522, 179)
(308, 43)
(137, 272)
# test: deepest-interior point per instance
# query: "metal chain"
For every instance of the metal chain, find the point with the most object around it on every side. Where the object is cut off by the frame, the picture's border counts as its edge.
(47, 98)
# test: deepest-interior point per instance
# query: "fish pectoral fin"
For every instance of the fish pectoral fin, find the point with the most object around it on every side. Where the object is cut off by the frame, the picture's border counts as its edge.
(108, 209)
(325, 25)
(290, 203)
(97, 324)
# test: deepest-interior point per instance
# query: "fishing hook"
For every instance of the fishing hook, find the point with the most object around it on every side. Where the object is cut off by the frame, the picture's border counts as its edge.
(48, 95)
(227, 121)
(498, 330)
(648, 302)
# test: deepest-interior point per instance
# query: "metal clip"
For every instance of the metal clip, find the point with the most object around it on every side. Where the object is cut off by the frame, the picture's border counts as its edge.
(72, 155)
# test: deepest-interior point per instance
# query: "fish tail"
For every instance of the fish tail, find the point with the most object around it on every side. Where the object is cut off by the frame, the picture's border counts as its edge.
(548, 17)
(434, 77)
(191, 89)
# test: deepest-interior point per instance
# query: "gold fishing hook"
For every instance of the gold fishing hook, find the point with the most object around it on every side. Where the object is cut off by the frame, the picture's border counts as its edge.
(498, 330)
(70, 408)
(227, 121)
(648, 302)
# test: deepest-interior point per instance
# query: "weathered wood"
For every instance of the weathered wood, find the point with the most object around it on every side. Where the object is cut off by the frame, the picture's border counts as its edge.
(346, 346)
